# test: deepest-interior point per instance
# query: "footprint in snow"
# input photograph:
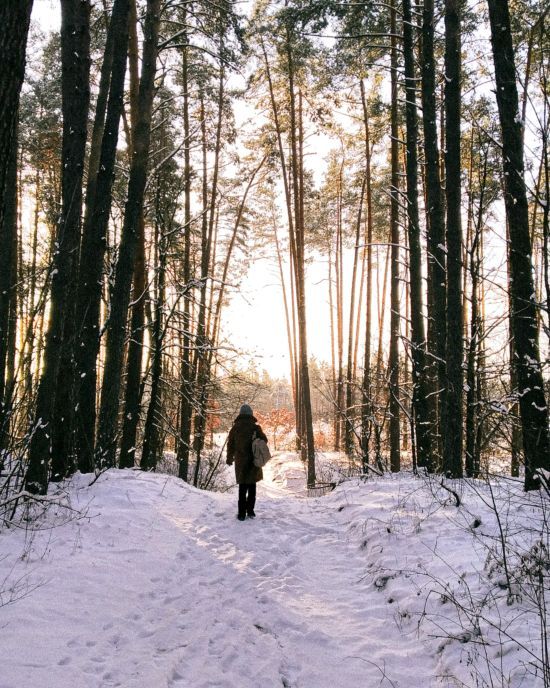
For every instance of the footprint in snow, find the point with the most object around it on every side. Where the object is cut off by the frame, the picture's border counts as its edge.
(176, 678)
(117, 640)
(171, 598)
(269, 570)
(146, 633)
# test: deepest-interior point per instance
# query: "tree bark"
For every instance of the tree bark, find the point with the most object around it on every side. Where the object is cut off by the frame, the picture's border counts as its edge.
(295, 228)
(184, 437)
(421, 418)
(132, 395)
(76, 32)
(532, 402)
(204, 344)
(14, 28)
(54, 391)
(94, 235)
(435, 216)
(9, 296)
(473, 359)
(151, 450)
(339, 269)
(453, 437)
(105, 450)
(307, 440)
(367, 404)
(393, 364)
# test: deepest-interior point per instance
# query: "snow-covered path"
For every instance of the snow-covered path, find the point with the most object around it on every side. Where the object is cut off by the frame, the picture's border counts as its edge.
(161, 586)
(292, 579)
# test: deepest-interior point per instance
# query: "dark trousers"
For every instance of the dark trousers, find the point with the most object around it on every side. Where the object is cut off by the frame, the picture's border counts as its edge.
(247, 498)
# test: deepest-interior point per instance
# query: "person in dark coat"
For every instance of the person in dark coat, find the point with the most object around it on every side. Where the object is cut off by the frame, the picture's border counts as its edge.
(239, 452)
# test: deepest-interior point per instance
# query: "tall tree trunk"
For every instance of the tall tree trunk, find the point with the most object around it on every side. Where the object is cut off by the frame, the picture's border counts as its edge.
(515, 431)
(54, 391)
(381, 297)
(307, 441)
(303, 415)
(31, 335)
(350, 382)
(184, 437)
(132, 394)
(200, 338)
(333, 381)
(435, 216)
(359, 311)
(307, 427)
(8, 297)
(203, 350)
(105, 450)
(420, 409)
(473, 359)
(290, 340)
(532, 402)
(75, 42)
(339, 319)
(393, 364)
(480, 360)
(14, 28)
(453, 437)
(95, 229)
(545, 165)
(16, 296)
(367, 405)
(151, 450)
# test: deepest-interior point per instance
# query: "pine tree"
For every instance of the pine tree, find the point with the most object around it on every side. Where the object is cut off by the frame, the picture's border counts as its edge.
(532, 403)
(105, 448)
(14, 28)
(95, 229)
(75, 55)
(421, 421)
(435, 220)
(453, 437)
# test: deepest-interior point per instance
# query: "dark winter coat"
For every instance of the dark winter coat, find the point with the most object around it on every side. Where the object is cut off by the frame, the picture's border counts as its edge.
(239, 449)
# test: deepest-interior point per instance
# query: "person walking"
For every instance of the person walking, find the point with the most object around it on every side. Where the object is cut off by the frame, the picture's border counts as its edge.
(239, 451)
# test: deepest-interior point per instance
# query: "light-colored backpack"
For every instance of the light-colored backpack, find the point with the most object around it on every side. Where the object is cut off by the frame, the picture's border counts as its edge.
(260, 451)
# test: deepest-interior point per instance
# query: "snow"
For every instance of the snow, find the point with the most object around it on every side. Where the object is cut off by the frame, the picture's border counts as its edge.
(146, 582)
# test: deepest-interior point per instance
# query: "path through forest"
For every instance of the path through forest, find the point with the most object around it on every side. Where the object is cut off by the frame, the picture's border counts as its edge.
(160, 585)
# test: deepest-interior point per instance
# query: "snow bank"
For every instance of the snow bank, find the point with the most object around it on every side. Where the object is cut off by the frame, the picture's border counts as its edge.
(380, 583)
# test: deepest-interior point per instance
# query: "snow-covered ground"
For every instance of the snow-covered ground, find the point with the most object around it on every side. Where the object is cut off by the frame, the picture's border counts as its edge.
(150, 583)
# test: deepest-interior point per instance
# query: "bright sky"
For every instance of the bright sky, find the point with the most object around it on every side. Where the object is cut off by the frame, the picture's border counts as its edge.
(255, 318)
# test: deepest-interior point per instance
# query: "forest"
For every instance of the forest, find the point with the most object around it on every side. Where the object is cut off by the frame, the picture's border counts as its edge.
(333, 215)
(151, 151)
